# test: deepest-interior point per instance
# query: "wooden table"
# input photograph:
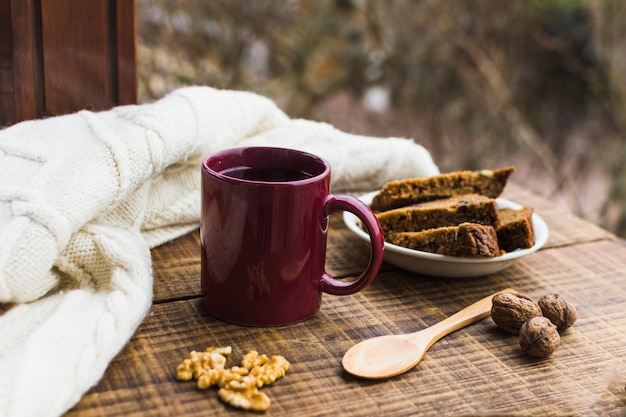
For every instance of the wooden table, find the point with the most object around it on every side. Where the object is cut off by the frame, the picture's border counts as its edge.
(478, 370)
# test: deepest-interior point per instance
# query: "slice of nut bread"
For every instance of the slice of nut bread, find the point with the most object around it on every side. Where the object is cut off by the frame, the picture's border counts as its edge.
(466, 239)
(472, 208)
(401, 193)
(515, 229)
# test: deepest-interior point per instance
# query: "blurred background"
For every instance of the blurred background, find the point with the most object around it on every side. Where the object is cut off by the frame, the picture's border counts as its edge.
(540, 84)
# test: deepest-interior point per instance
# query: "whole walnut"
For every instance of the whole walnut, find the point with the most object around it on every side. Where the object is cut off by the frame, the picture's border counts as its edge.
(539, 337)
(560, 311)
(510, 310)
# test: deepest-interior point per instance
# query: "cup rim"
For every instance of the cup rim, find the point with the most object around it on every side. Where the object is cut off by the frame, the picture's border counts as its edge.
(324, 171)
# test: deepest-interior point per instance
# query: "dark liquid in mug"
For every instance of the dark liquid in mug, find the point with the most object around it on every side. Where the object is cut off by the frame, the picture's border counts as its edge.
(271, 174)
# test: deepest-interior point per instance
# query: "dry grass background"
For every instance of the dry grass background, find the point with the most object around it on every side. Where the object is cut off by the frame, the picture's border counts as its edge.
(481, 83)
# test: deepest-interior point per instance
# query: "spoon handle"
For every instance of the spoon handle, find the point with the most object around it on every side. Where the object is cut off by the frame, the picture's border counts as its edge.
(470, 314)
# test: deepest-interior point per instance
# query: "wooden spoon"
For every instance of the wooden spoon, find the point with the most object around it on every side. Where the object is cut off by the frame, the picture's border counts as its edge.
(391, 355)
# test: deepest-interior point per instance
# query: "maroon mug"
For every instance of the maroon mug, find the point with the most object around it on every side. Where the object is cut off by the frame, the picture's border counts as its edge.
(263, 231)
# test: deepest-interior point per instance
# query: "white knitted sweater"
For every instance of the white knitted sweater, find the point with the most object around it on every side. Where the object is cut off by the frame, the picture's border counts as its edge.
(84, 197)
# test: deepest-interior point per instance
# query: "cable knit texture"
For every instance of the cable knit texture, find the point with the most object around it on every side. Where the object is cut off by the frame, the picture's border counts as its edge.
(84, 197)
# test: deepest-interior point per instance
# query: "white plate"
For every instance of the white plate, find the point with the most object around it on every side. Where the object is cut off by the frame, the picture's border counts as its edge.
(450, 266)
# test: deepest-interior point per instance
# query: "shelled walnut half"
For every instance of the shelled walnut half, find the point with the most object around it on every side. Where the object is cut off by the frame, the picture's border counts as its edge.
(238, 385)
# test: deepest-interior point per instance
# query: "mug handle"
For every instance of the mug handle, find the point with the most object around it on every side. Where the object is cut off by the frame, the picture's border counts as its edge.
(355, 206)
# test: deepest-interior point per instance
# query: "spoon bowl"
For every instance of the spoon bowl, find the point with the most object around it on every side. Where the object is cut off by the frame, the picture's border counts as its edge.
(391, 355)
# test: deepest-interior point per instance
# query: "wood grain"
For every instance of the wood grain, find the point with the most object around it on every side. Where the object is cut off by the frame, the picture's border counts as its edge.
(61, 56)
(177, 265)
(478, 370)
(21, 71)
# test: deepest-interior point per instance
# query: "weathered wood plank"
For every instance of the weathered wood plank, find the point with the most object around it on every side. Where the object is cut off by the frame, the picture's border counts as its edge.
(477, 370)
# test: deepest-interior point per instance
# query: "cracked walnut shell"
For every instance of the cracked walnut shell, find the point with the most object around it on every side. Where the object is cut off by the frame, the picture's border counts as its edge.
(510, 310)
(560, 311)
(539, 337)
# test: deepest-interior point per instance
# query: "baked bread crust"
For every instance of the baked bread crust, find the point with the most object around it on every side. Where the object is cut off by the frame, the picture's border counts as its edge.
(515, 229)
(466, 239)
(472, 208)
(453, 214)
(401, 193)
